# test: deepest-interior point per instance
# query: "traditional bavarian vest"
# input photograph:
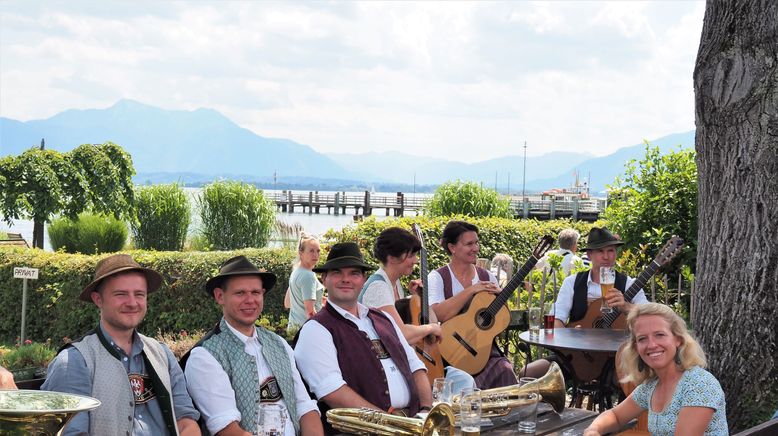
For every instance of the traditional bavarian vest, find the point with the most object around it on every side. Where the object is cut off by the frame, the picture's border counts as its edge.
(241, 368)
(360, 367)
(581, 290)
(111, 386)
(448, 287)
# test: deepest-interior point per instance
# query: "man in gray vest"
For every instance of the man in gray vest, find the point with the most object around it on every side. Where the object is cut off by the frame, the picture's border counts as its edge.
(137, 379)
(238, 366)
(353, 356)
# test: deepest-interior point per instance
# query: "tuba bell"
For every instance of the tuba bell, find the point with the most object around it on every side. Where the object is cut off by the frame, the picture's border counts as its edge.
(30, 412)
(500, 401)
(438, 422)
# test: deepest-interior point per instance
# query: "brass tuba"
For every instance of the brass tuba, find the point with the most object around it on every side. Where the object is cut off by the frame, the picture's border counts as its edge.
(25, 412)
(500, 401)
(439, 421)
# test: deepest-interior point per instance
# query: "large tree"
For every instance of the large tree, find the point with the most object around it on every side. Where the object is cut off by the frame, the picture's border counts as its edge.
(39, 184)
(736, 89)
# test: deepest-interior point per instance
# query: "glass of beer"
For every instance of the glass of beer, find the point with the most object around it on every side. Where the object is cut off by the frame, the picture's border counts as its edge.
(441, 391)
(535, 318)
(607, 279)
(470, 411)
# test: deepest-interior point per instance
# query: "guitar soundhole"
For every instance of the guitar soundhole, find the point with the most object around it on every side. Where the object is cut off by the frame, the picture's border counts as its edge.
(484, 320)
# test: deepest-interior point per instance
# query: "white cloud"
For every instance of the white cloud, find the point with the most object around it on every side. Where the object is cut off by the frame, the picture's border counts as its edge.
(468, 80)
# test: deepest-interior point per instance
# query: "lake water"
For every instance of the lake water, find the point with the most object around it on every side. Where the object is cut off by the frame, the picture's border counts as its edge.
(316, 224)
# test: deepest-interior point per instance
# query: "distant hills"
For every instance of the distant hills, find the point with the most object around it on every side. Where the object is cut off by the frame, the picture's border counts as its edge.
(195, 147)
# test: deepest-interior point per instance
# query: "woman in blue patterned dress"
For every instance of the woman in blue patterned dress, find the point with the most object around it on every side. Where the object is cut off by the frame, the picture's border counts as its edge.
(666, 363)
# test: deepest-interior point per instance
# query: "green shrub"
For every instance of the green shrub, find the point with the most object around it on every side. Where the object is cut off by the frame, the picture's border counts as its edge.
(467, 198)
(54, 310)
(235, 215)
(162, 215)
(88, 234)
(28, 355)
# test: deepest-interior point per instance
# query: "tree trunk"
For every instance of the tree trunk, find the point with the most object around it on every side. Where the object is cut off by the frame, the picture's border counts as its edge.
(37, 233)
(736, 99)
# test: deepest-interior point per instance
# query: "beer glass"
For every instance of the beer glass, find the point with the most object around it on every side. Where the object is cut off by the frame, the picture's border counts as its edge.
(272, 419)
(528, 411)
(548, 318)
(607, 279)
(441, 391)
(470, 411)
(535, 315)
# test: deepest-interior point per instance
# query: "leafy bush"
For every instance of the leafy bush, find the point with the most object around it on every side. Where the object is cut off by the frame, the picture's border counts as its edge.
(88, 234)
(657, 198)
(54, 310)
(235, 215)
(162, 215)
(28, 355)
(467, 198)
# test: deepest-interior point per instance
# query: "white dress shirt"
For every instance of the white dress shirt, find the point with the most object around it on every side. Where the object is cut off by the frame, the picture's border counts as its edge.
(435, 282)
(564, 301)
(317, 358)
(212, 391)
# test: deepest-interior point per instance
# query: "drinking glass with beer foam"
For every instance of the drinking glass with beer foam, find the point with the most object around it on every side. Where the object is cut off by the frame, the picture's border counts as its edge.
(607, 279)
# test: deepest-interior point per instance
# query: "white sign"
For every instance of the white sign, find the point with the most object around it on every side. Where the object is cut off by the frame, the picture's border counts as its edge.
(25, 273)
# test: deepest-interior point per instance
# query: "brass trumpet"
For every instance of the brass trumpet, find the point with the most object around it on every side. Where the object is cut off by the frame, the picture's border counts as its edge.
(40, 412)
(438, 422)
(500, 401)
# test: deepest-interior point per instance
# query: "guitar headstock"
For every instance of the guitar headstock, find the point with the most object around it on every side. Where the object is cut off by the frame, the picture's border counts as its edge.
(543, 246)
(418, 233)
(669, 251)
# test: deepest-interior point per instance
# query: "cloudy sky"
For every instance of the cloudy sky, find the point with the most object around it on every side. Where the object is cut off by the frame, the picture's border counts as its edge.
(469, 81)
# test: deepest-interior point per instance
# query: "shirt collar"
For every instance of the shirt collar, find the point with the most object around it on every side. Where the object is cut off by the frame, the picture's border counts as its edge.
(362, 310)
(137, 344)
(243, 338)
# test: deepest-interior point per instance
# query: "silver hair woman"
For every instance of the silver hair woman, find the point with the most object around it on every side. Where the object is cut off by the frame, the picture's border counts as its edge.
(667, 364)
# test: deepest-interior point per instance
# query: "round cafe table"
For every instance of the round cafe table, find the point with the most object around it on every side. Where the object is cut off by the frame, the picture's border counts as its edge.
(592, 351)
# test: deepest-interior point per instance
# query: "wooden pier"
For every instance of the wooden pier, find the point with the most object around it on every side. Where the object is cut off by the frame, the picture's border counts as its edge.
(368, 203)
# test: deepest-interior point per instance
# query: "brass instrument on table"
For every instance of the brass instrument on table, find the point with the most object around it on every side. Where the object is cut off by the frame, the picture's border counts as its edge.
(439, 421)
(500, 401)
(25, 412)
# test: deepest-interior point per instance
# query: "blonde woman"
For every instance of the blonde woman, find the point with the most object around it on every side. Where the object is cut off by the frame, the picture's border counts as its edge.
(666, 363)
(305, 291)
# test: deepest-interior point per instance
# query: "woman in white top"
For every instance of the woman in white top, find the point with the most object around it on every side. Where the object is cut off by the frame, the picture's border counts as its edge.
(397, 250)
(305, 291)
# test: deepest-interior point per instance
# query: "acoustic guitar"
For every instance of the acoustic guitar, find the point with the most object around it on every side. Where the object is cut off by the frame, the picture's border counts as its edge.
(617, 320)
(467, 338)
(426, 348)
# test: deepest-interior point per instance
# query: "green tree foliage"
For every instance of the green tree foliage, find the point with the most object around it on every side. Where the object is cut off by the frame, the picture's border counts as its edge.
(469, 199)
(657, 198)
(41, 183)
(235, 215)
(88, 234)
(162, 216)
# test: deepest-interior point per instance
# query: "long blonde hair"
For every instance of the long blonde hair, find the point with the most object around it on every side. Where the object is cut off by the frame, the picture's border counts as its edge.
(689, 352)
(304, 238)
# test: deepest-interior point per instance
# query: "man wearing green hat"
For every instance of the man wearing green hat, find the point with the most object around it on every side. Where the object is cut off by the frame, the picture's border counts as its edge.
(353, 356)
(237, 366)
(137, 379)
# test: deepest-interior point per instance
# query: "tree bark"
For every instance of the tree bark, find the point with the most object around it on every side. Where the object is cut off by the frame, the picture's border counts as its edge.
(736, 108)
(37, 234)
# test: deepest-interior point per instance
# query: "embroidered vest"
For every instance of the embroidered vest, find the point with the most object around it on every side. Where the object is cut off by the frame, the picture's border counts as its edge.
(241, 368)
(359, 366)
(111, 386)
(581, 291)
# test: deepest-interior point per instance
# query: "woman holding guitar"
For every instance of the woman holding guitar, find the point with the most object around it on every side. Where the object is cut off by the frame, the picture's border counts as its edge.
(452, 286)
(397, 251)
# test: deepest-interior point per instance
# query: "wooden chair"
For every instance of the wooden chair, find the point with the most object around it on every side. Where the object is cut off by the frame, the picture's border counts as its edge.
(642, 426)
(768, 428)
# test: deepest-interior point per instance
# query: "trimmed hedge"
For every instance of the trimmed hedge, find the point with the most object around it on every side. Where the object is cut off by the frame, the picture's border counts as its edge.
(54, 310)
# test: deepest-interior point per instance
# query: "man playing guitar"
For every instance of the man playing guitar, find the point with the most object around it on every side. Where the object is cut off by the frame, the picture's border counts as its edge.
(579, 291)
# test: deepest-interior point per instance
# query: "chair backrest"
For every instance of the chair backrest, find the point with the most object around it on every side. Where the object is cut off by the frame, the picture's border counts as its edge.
(769, 428)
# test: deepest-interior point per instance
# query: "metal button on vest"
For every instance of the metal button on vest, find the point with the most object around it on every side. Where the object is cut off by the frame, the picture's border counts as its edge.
(132, 403)
(386, 392)
(129, 418)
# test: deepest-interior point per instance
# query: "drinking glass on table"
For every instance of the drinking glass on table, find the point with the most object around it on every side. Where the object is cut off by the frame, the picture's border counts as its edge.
(272, 419)
(535, 318)
(548, 317)
(528, 408)
(441, 391)
(607, 279)
(470, 411)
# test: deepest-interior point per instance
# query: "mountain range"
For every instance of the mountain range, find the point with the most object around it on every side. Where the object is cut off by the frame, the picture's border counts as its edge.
(195, 147)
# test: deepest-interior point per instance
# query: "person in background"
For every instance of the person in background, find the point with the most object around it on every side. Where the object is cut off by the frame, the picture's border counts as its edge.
(305, 291)
(137, 379)
(6, 379)
(667, 364)
(568, 248)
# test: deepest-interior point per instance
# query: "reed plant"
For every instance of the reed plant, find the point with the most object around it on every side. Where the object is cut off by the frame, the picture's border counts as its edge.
(88, 234)
(235, 215)
(162, 216)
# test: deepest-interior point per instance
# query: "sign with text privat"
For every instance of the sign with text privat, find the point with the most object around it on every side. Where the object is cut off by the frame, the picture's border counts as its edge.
(25, 273)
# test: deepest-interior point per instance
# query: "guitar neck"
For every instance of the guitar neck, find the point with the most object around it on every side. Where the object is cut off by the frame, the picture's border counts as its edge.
(425, 295)
(512, 285)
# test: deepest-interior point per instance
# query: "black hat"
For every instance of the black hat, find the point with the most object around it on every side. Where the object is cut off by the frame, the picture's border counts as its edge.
(116, 264)
(601, 237)
(240, 266)
(344, 255)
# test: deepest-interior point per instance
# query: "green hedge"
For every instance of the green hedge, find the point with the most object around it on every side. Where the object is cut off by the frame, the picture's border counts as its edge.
(54, 310)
